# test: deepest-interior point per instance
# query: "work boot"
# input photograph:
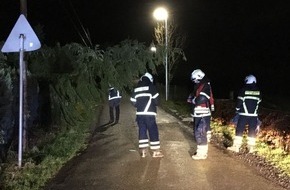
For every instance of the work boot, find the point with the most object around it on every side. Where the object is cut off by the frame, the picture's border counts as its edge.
(237, 144)
(199, 156)
(234, 148)
(252, 149)
(251, 144)
(208, 136)
(201, 152)
(157, 154)
(143, 152)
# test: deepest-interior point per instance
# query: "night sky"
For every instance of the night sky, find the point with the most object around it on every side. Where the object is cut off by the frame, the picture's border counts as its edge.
(228, 39)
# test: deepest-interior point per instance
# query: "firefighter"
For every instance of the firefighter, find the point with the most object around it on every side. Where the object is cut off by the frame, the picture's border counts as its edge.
(247, 107)
(203, 104)
(145, 98)
(114, 99)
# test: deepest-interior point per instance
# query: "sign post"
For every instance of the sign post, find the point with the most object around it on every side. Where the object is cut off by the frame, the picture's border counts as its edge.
(22, 38)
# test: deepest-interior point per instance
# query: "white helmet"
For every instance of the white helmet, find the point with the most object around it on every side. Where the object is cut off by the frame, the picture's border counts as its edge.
(197, 75)
(149, 76)
(250, 79)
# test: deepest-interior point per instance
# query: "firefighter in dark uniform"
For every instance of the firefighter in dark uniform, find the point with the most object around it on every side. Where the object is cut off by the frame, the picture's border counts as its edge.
(203, 103)
(145, 98)
(114, 105)
(247, 107)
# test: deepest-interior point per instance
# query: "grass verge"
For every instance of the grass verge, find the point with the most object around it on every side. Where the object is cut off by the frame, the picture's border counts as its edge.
(45, 160)
(223, 135)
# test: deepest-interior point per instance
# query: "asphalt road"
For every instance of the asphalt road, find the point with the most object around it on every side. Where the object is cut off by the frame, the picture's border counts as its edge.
(112, 161)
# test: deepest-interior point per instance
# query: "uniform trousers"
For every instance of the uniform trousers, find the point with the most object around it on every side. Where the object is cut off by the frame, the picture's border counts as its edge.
(201, 127)
(147, 126)
(251, 121)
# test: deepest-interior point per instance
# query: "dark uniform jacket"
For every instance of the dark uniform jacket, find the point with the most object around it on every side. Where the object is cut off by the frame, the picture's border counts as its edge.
(145, 97)
(203, 99)
(248, 100)
(114, 97)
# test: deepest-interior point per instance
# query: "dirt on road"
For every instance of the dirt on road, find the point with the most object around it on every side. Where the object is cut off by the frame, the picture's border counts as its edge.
(112, 161)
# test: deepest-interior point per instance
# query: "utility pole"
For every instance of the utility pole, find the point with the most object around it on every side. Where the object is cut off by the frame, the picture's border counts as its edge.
(23, 7)
(23, 10)
(22, 38)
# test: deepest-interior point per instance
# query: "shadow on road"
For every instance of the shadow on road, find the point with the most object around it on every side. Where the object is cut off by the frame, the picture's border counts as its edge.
(104, 127)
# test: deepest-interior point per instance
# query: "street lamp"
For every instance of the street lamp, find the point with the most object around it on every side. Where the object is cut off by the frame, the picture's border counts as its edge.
(162, 14)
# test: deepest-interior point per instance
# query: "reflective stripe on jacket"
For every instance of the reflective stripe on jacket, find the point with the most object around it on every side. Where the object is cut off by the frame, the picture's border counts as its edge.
(248, 100)
(204, 99)
(145, 98)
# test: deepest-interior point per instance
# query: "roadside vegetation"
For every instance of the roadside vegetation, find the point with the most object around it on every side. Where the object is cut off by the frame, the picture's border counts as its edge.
(45, 158)
(66, 88)
(272, 157)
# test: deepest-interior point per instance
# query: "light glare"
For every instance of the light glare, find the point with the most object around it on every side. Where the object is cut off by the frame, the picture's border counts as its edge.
(160, 13)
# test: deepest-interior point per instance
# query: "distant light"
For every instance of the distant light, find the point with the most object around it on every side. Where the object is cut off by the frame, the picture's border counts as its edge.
(153, 48)
(160, 13)
(30, 44)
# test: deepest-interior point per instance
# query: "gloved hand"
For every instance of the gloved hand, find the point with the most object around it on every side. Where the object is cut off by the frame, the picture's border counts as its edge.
(193, 101)
(259, 123)
(257, 130)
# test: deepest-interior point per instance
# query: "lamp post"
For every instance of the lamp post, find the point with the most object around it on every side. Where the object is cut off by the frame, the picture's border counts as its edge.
(162, 14)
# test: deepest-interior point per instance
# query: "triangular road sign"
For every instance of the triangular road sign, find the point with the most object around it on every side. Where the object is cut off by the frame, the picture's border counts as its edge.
(31, 41)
